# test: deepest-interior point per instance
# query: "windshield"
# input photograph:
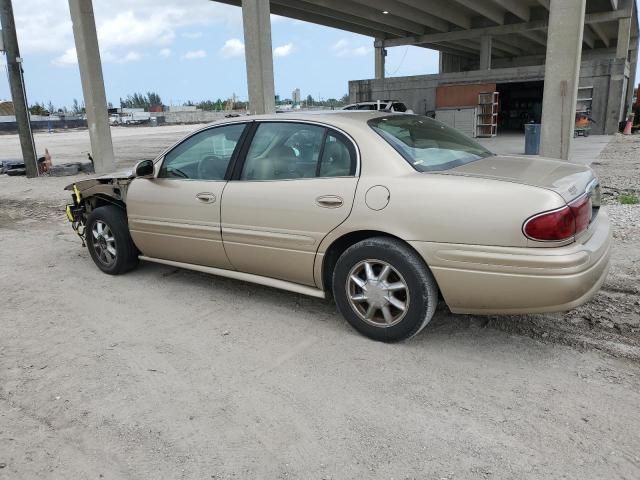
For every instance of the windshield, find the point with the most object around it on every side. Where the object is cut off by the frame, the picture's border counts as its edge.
(427, 144)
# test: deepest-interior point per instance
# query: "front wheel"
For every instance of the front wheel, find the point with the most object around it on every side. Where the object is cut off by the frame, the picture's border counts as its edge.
(109, 241)
(384, 289)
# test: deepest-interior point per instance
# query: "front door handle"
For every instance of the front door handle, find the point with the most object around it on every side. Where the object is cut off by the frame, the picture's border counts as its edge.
(206, 197)
(329, 201)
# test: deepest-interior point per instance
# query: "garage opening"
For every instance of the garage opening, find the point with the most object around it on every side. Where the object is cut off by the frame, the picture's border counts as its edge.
(520, 103)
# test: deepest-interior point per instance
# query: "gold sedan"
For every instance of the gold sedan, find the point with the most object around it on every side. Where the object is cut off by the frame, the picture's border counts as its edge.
(386, 212)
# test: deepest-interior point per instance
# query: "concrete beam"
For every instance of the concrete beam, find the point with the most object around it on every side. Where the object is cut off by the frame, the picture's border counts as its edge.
(484, 9)
(588, 37)
(321, 16)
(380, 57)
(506, 46)
(562, 71)
(599, 31)
(366, 11)
(517, 7)
(404, 10)
(524, 43)
(545, 3)
(485, 52)
(518, 28)
(325, 16)
(256, 22)
(536, 36)
(95, 99)
(441, 9)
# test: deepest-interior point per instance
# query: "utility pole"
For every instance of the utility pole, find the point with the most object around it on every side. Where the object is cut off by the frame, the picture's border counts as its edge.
(18, 92)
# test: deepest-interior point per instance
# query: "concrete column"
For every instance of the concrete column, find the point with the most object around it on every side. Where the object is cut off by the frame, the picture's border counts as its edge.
(256, 21)
(380, 54)
(95, 100)
(562, 70)
(485, 52)
(632, 74)
(620, 79)
(624, 35)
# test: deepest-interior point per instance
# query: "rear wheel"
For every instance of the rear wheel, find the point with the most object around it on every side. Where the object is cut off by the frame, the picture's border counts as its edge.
(109, 241)
(384, 289)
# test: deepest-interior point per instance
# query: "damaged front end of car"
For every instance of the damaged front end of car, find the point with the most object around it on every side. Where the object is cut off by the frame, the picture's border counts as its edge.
(88, 195)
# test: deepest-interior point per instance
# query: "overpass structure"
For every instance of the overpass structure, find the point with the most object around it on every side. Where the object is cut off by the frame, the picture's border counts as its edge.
(478, 40)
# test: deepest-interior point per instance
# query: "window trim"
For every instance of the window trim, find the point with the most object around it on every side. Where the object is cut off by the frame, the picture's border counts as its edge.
(160, 159)
(242, 157)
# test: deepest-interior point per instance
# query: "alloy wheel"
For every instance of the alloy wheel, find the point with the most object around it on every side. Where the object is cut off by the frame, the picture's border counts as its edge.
(378, 293)
(104, 243)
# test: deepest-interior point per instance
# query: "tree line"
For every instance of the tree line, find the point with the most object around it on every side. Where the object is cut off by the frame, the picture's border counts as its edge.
(153, 99)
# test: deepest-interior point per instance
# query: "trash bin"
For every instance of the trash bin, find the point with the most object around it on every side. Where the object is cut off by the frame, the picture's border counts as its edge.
(532, 139)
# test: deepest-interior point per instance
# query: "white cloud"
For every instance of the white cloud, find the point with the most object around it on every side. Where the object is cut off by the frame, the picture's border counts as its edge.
(340, 44)
(343, 48)
(44, 26)
(69, 57)
(194, 54)
(232, 48)
(165, 52)
(283, 50)
(192, 35)
(359, 51)
(129, 57)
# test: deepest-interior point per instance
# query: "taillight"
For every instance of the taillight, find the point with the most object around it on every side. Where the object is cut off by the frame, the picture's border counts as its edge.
(582, 210)
(560, 224)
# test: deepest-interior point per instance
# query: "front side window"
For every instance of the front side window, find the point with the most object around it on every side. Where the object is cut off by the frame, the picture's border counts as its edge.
(203, 156)
(427, 144)
(287, 150)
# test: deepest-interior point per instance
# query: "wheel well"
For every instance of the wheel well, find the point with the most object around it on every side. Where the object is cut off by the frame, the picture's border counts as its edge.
(339, 246)
(99, 200)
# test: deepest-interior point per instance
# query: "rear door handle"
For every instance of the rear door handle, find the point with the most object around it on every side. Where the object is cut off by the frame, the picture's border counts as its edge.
(329, 201)
(206, 197)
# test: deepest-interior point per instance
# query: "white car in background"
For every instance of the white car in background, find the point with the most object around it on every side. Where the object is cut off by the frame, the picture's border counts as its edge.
(389, 105)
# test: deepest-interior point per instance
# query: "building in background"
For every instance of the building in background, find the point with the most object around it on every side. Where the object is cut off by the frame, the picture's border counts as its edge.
(295, 96)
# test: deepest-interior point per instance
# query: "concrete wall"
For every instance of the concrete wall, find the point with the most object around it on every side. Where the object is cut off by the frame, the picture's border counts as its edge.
(419, 92)
(11, 127)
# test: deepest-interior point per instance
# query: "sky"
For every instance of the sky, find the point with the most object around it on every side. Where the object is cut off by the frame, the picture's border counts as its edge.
(190, 50)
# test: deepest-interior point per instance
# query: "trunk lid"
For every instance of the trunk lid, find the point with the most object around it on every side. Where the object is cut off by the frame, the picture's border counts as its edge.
(569, 180)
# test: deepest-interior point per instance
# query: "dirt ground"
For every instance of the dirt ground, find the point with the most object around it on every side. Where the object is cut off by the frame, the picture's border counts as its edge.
(164, 373)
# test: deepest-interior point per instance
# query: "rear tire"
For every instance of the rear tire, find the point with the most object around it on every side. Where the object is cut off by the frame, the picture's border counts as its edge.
(109, 241)
(384, 289)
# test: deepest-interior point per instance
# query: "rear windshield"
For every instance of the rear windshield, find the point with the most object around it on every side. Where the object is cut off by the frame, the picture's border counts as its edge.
(427, 144)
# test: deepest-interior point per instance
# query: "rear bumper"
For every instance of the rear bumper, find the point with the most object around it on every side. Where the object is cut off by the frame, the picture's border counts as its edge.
(507, 280)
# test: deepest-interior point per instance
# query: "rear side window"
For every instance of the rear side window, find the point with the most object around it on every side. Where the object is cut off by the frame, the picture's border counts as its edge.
(399, 107)
(427, 144)
(288, 150)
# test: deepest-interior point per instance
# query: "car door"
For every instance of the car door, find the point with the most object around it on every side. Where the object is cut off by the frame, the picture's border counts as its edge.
(294, 185)
(176, 215)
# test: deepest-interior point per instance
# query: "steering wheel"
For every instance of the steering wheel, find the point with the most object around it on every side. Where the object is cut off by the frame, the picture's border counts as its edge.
(211, 167)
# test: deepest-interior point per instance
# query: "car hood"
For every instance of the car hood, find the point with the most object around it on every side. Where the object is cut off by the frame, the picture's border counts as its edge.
(570, 180)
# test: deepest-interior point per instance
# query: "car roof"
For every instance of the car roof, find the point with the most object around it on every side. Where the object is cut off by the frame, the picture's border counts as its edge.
(339, 118)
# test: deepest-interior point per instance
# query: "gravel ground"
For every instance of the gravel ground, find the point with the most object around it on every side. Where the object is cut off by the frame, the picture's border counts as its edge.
(164, 373)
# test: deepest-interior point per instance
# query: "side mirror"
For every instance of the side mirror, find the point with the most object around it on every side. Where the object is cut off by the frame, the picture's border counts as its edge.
(144, 169)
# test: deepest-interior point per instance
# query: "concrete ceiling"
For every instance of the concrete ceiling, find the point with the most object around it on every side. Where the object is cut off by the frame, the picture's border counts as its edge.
(518, 27)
